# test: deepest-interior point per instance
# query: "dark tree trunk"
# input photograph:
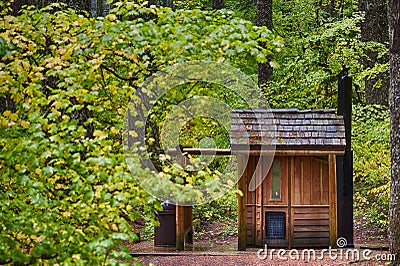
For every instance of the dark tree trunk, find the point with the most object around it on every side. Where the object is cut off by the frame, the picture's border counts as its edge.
(375, 28)
(394, 206)
(264, 18)
(218, 4)
(80, 5)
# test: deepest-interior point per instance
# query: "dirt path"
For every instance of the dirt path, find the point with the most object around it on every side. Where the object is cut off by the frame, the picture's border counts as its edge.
(214, 247)
(252, 259)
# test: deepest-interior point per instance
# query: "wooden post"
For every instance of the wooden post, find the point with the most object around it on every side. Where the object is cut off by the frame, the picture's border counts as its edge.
(180, 227)
(242, 170)
(180, 213)
(333, 230)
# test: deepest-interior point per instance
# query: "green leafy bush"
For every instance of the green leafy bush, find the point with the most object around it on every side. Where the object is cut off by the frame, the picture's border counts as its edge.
(66, 81)
(371, 133)
(223, 209)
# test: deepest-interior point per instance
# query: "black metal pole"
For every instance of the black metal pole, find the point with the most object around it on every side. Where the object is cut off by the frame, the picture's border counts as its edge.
(344, 164)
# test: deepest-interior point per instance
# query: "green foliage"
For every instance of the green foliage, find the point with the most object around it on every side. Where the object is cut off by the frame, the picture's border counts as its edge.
(371, 133)
(66, 82)
(223, 209)
(315, 52)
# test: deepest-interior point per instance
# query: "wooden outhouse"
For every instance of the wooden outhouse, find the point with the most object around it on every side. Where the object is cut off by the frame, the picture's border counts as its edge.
(287, 167)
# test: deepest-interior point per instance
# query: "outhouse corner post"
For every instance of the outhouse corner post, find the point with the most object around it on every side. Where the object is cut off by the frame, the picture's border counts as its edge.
(242, 171)
(333, 230)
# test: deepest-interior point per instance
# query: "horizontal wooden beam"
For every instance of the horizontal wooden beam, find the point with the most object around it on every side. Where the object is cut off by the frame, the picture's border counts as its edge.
(204, 151)
(310, 206)
(289, 152)
(201, 151)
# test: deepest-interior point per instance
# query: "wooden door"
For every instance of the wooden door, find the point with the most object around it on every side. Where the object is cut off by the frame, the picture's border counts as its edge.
(276, 204)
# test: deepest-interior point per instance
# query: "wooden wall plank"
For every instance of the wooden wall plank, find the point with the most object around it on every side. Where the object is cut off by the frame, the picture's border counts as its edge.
(311, 228)
(291, 178)
(307, 210)
(325, 184)
(324, 234)
(315, 181)
(332, 200)
(284, 181)
(311, 222)
(250, 195)
(310, 216)
(306, 184)
(297, 194)
(259, 234)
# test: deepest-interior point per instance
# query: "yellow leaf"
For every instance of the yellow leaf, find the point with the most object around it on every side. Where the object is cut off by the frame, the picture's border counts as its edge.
(14, 117)
(38, 171)
(114, 130)
(4, 122)
(3, 76)
(111, 17)
(24, 124)
(7, 113)
(114, 227)
(31, 47)
(99, 133)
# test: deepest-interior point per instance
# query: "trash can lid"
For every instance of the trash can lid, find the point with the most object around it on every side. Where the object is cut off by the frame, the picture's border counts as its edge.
(168, 205)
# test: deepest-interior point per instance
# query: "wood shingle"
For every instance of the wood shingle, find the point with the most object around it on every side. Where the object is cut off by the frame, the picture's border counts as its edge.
(288, 129)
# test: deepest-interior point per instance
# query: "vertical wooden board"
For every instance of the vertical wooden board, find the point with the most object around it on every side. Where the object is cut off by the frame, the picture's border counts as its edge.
(267, 184)
(333, 233)
(315, 182)
(325, 184)
(291, 199)
(291, 223)
(259, 189)
(259, 201)
(249, 174)
(284, 180)
(267, 181)
(306, 186)
(259, 226)
(288, 234)
(242, 203)
(297, 195)
(180, 227)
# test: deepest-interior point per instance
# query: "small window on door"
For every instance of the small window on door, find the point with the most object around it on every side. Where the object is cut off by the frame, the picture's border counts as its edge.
(276, 180)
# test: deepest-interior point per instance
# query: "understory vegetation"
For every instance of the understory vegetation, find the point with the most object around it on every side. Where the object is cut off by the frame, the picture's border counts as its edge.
(67, 193)
(371, 133)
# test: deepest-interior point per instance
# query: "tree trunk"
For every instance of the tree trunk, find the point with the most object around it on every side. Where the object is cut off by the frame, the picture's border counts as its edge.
(80, 5)
(394, 206)
(264, 18)
(375, 28)
(218, 4)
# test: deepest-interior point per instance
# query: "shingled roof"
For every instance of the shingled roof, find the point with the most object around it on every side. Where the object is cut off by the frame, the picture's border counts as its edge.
(288, 129)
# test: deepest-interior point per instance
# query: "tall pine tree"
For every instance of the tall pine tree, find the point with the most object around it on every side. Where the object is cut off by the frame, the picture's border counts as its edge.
(394, 207)
(264, 18)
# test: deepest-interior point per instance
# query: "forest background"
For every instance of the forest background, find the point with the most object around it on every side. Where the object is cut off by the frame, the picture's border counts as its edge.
(69, 70)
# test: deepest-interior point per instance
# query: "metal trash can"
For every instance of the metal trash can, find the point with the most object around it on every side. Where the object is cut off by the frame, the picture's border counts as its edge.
(165, 234)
